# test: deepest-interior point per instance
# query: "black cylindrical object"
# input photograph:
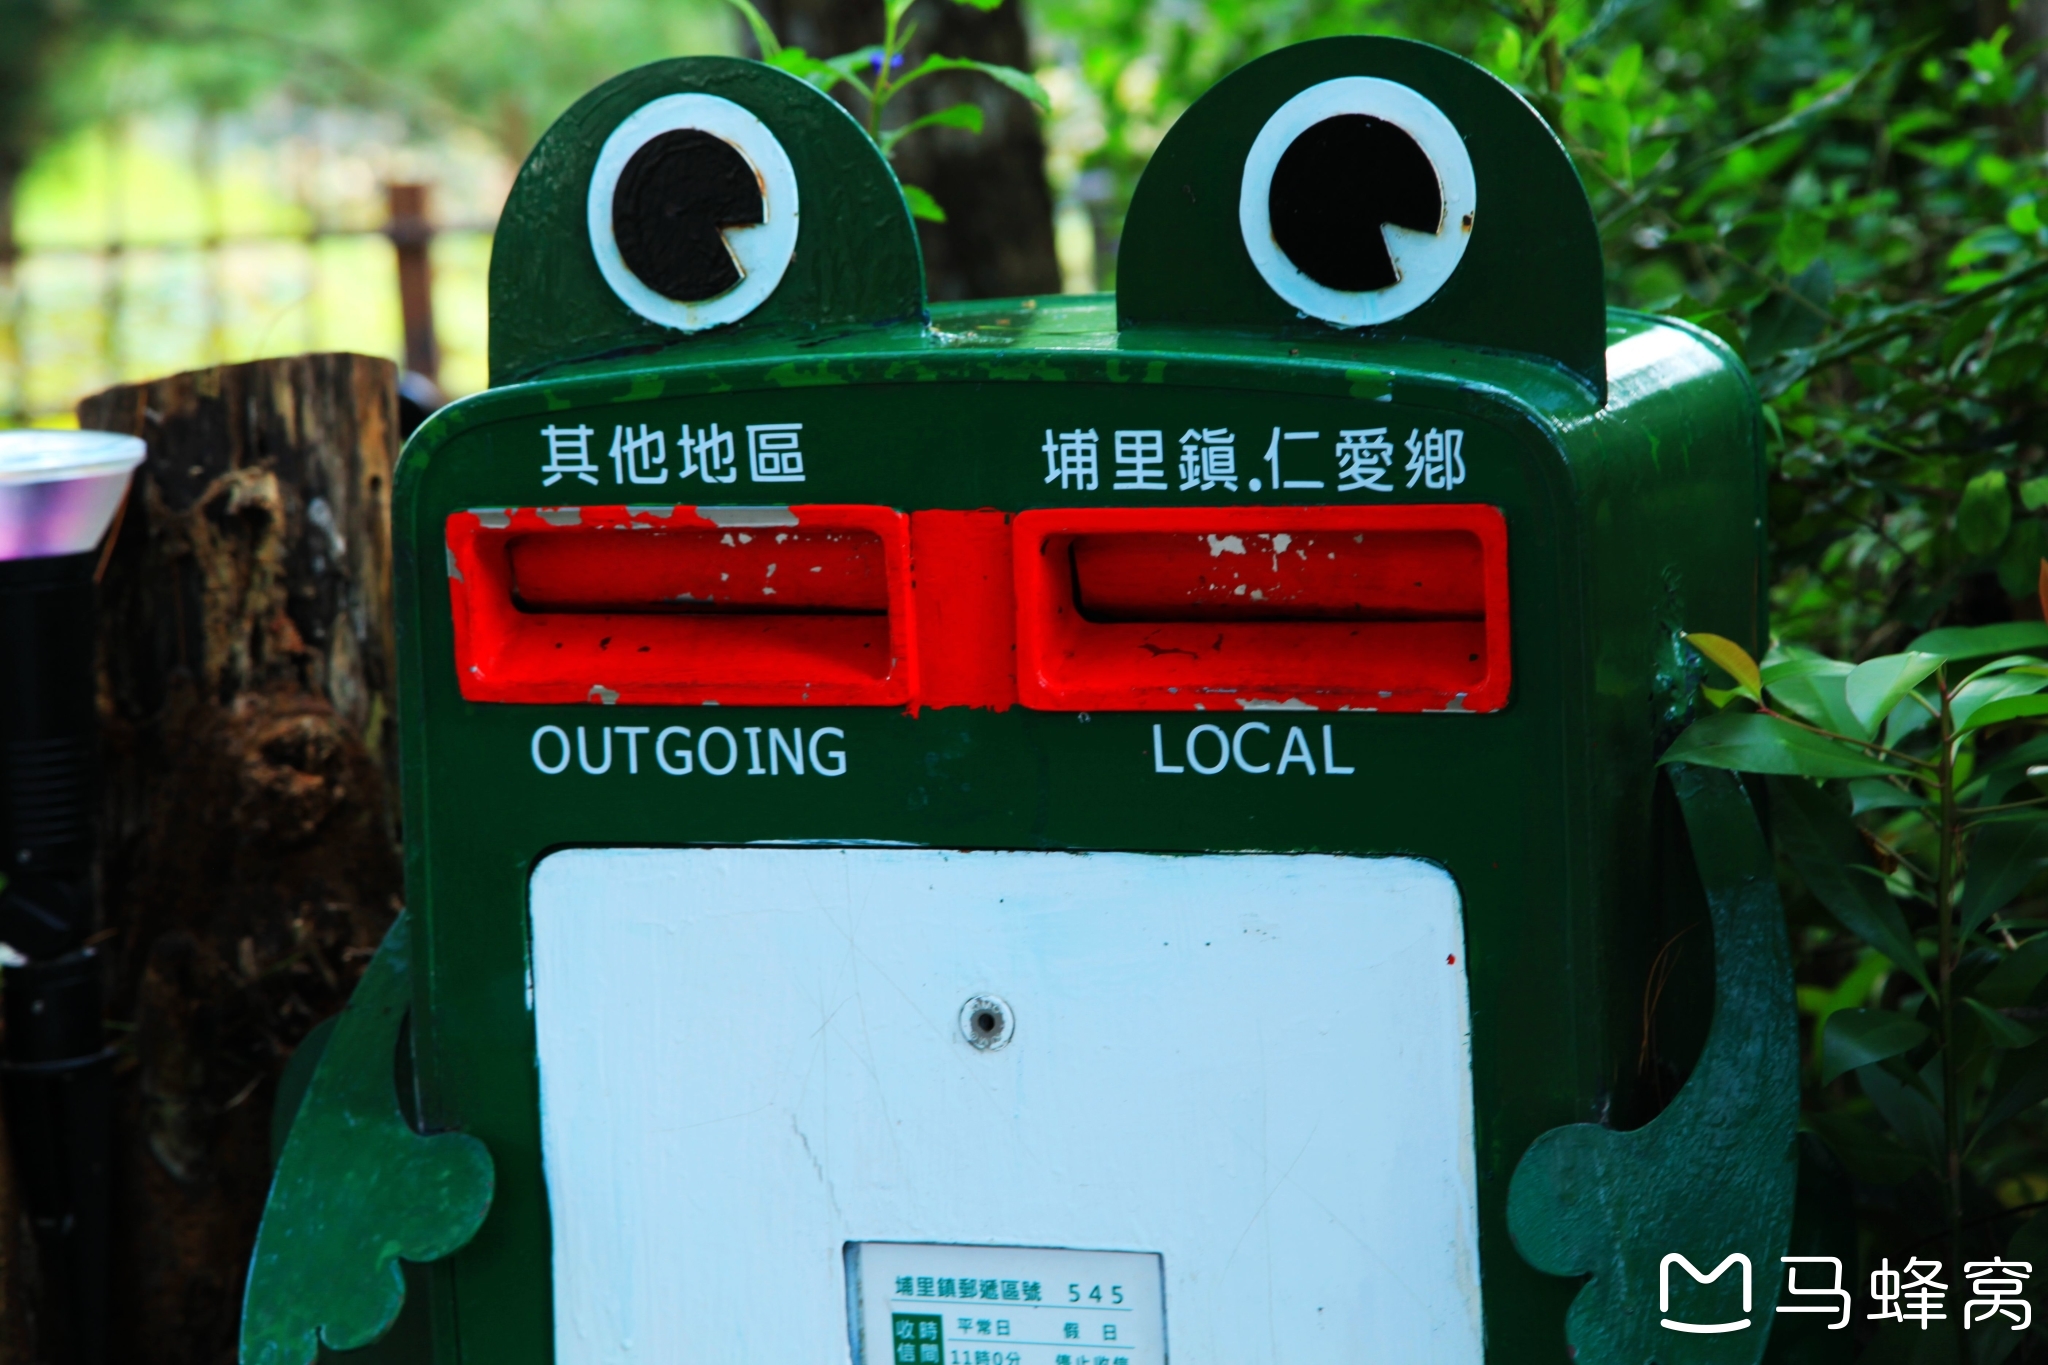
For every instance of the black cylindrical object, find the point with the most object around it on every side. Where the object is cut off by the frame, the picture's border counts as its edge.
(55, 1075)
(49, 736)
(57, 1084)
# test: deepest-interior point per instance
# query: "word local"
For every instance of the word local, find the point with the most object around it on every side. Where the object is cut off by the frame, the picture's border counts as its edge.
(1209, 742)
(641, 456)
(714, 750)
(1208, 460)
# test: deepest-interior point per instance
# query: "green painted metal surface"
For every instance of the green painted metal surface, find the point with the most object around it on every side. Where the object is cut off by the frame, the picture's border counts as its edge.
(357, 1190)
(1531, 277)
(1629, 516)
(1715, 1171)
(1624, 520)
(857, 266)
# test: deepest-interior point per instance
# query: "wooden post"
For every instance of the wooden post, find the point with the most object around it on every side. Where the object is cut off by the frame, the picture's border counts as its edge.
(413, 235)
(248, 855)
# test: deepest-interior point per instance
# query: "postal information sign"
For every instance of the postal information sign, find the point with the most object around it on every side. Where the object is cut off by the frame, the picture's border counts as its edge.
(934, 1304)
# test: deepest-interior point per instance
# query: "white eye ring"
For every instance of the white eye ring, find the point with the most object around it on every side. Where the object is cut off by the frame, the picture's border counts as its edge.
(1424, 260)
(761, 252)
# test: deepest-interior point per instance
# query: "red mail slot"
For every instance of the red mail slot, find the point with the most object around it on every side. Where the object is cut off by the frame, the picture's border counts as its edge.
(1369, 608)
(742, 606)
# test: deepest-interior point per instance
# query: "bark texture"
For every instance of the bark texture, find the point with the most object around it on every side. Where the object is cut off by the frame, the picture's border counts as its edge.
(997, 240)
(248, 860)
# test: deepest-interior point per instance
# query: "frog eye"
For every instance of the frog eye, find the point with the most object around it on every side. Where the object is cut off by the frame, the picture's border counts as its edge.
(1357, 201)
(693, 211)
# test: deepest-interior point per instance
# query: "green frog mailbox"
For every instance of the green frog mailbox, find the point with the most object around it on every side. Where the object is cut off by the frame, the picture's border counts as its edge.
(1060, 831)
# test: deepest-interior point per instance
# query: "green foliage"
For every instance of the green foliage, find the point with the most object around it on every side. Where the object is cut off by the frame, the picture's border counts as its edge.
(876, 72)
(503, 70)
(1913, 813)
(1850, 194)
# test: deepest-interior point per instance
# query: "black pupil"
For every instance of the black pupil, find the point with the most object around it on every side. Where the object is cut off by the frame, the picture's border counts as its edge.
(672, 203)
(985, 1022)
(1334, 188)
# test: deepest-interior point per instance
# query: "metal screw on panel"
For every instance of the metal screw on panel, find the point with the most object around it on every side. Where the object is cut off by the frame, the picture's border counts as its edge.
(986, 1023)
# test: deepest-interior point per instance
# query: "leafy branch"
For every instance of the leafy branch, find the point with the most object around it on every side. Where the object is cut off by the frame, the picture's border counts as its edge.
(876, 74)
(1915, 738)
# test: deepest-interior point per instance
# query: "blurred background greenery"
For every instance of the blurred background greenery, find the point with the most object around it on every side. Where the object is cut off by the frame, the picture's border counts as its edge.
(1850, 194)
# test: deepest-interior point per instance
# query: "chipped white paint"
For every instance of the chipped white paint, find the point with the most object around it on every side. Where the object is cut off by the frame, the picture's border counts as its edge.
(761, 252)
(1423, 260)
(561, 516)
(748, 516)
(495, 518)
(603, 695)
(1255, 1066)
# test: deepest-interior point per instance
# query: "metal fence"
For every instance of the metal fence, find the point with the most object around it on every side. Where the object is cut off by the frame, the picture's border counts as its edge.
(152, 297)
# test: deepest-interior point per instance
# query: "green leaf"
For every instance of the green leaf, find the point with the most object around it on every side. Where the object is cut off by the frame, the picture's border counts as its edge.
(1874, 688)
(2016, 975)
(2034, 494)
(1912, 1115)
(2030, 1244)
(2022, 1083)
(764, 35)
(805, 67)
(852, 66)
(962, 115)
(1913, 715)
(985, 6)
(2011, 770)
(1859, 1037)
(922, 205)
(2019, 563)
(1979, 642)
(2004, 856)
(1985, 514)
(2004, 1032)
(1821, 843)
(1009, 76)
(1733, 660)
(1873, 793)
(2012, 708)
(1870, 1158)
(1784, 667)
(1820, 698)
(1751, 743)
(1973, 697)
(2011, 663)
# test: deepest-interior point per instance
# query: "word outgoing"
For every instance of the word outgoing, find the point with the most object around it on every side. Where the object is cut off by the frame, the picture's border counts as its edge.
(1250, 750)
(676, 751)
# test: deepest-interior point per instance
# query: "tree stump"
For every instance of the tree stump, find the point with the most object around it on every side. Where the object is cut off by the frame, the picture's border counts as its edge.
(248, 856)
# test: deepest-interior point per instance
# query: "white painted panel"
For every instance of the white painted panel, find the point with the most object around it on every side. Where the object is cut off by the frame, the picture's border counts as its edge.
(1255, 1066)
